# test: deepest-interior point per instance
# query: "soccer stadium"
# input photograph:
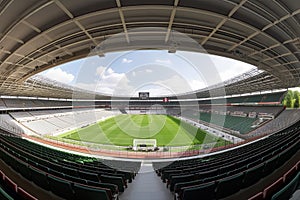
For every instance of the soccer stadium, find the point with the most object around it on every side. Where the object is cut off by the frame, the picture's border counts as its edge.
(150, 100)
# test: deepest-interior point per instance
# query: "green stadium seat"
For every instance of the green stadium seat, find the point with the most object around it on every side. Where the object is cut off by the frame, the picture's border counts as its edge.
(74, 179)
(39, 178)
(288, 190)
(24, 170)
(181, 178)
(88, 176)
(253, 175)
(112, 187)
(89, 193)
(113, 180)
(229, 185)
(69, 171)
(270, 165)
(179, 186)
(203, 192)
(4, 195)
(60, 187)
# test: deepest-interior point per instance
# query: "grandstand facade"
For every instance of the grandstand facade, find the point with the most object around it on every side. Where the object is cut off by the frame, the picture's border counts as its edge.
(254, 141)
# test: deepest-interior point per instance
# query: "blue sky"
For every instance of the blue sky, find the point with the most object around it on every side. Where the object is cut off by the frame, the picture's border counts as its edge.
(157, 71)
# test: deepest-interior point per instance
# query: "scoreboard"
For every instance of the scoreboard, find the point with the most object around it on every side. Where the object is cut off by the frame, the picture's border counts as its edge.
(144, 95)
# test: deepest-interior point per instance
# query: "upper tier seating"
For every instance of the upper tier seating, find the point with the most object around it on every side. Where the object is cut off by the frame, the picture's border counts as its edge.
(284, 120)
(241, 124)
(260, 98)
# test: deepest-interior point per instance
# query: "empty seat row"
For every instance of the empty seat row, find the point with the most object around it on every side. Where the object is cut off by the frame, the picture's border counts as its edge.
(245, 165)
(49, 181)
(73, 172)
(283, 187)
(257, 167)
(11, 191)
(57, 159)
(224, 186)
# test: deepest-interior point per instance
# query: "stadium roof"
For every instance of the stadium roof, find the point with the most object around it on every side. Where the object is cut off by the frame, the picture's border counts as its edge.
(39, 34)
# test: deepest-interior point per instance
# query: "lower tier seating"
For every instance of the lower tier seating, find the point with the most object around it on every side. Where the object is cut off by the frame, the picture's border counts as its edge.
(11, 191)
(67, 175)
(221, 175)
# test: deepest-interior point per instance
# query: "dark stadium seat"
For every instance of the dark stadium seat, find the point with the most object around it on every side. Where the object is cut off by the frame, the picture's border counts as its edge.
(112, 187)
(10, 187)
(88, 176)
(179, 186)
(253, 175)
(69, 171)
(74, 179)
(7, 158)
(229, 185)
(39, 178)
(258, 196)
(113, 180)
(270, 165)
(271, 189)
(203, 192)
(181, 178)
(89, 193)
(25, 195)
(24, 170)
(288, 190)
(60, 187)
(289, 175)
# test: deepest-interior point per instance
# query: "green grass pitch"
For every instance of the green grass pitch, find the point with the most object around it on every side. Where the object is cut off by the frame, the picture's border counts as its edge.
(122, 129)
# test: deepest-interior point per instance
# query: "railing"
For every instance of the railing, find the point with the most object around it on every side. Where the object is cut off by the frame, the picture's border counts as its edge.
(111, 150)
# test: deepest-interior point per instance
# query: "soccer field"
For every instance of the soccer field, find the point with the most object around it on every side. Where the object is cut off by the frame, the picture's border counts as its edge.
(122, 129)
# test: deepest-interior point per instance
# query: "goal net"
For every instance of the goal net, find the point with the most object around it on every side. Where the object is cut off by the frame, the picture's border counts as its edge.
(143, 144)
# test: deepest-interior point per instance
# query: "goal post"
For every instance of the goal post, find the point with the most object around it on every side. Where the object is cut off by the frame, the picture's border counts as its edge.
(143, 143)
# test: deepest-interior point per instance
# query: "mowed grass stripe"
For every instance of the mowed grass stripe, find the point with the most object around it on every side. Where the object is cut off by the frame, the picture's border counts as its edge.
(122, 129)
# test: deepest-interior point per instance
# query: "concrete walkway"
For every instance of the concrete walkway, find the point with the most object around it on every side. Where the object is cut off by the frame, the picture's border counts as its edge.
(147, 186)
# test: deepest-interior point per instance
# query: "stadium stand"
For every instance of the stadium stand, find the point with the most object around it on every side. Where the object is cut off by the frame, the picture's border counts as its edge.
(11, 191)
(32, 103)
(284, 120)
(275, 97)
(234, 119)
(57, 121)
(240, 124)
(241, 167)
(66, 175)
(283, 188)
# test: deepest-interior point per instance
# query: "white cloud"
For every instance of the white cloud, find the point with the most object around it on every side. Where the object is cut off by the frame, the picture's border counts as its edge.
(109, 82)
(100, 70)
(149, 71)
(161, 61)
(197, 84)
(59, 75)
(229, 68)
(173, 85)
(125, 60)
